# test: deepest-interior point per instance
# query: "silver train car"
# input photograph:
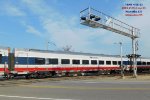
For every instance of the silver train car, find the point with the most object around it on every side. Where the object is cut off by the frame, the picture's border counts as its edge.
(43, 63)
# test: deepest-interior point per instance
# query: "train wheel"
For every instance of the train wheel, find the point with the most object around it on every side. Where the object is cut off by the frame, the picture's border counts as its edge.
(10, 76)
(27, 76)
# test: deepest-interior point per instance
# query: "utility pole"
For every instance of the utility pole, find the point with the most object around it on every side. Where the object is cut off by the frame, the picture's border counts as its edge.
(121, 64)
(122, 69)
(134, 55)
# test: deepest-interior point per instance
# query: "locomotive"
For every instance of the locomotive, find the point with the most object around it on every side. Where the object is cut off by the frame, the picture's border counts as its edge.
(43, 63)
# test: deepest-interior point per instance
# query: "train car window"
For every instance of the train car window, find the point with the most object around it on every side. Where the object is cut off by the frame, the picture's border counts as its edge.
(53, 61)
(114, 62)
(85, 62)
(148, 63)
(75, 61)
(130, 62)
(139, 63)
(31, 60)
(21, 60)
(125, 62)
(101, 62)
(144, 63)
(40, 61)
(0, 58)
(65, 61)
(119, 62)
(108, 62)
(94, 62)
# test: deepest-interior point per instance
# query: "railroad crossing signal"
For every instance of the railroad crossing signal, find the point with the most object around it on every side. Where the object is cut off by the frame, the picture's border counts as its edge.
(97, 19)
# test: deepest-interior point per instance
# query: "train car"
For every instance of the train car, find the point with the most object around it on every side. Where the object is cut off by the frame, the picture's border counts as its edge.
(31, 62)
(41, 63)
(4, 53)
(143, 64)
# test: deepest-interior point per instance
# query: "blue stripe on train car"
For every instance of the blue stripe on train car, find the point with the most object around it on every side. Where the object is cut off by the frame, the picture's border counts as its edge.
(25, 60)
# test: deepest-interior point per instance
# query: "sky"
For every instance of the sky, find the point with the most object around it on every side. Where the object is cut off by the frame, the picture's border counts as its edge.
(36, 23)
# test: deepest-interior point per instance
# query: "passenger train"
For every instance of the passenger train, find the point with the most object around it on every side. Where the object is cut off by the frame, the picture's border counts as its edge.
(38, 63)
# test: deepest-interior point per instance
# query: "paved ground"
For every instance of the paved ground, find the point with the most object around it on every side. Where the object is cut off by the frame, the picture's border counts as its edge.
(76, 90)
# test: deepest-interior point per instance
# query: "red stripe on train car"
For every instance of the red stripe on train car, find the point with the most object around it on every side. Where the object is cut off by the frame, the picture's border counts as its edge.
(4, 70)
(65, 69)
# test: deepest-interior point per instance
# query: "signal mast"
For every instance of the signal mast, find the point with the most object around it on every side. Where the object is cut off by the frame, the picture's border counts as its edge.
(96, 19)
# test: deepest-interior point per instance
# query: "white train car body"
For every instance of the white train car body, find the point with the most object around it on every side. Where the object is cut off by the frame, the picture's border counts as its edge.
(4, 51)
(143, 64)
(29, 60)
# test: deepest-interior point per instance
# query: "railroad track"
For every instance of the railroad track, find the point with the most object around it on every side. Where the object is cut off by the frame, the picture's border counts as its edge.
(16, 82)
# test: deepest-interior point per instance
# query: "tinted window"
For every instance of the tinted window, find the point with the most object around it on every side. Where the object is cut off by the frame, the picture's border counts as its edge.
(21, 60)
(108, 62)
(4, 59)
(144, 63)
(65, 61)
(39, 61)
(85, 62)
(148, 63)
(138, 62)
(31, 60)
(94, 62)
(53, 61)
(130, 62)
(75, 61)
(101, 62)
(114, 62)
(119, 62)
(126, 62)
(0, 58)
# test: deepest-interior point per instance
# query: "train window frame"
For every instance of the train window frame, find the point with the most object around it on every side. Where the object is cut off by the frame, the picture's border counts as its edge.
(125, 62)
(101, 62)
(139, 63)
(119, 62)
(114, 62)
(85, 62)
(1, 57)
(108, 62)
(93, 62)
(54, 61)
(42, 61)
(148, 63)
(76, 62)
(65, 61)
(143, 63)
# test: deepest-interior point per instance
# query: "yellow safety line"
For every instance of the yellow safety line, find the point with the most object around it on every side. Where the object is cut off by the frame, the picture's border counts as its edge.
(85, 88)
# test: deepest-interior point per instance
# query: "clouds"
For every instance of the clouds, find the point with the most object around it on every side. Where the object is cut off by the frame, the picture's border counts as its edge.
(32, 30)
(54, 25)
(11, 10)
(43, 19)
(63, 30)
(142, 23)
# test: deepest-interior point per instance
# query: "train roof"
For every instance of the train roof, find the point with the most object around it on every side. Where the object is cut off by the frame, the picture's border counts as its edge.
(71, 53)
(67, 52)
(4, 48)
